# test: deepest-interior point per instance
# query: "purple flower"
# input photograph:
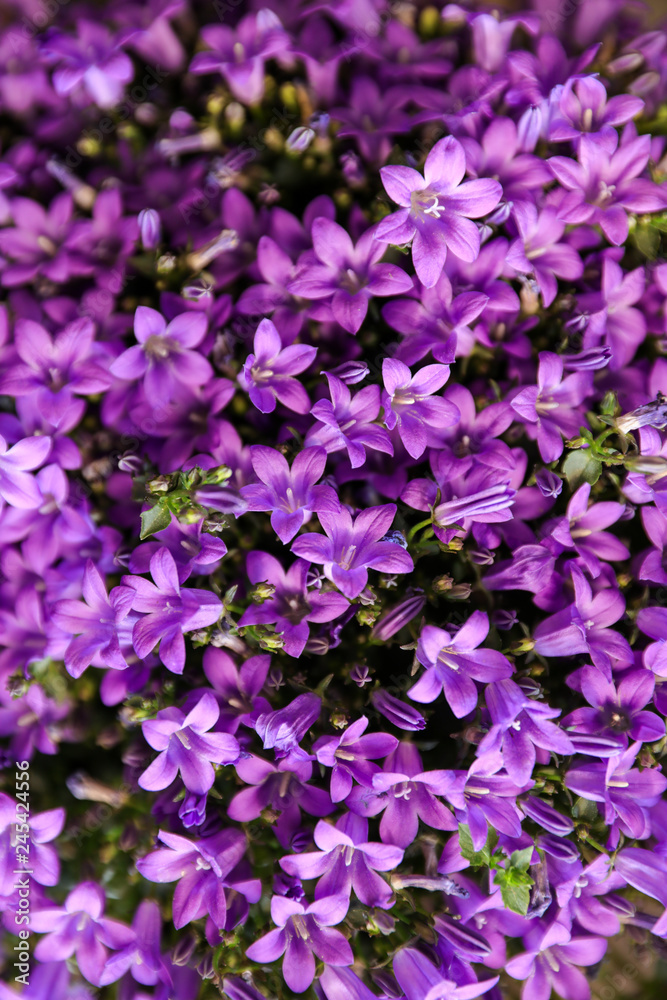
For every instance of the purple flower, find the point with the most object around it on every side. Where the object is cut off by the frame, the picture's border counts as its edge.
(268, 374)
(551, 404)
(347, 275)
(37, 243)
(519, 724)
(239, 53)
(617, 710)
(604, 184)
(421, 980)
(346, 861)
(292, 605)
(284, 729)
(611, 319)
(408, 404)
(550, 961)
(347, 422)
(303, 932)
(167, 611)
(164, 354)
(79, 928)
(100, 625)
(350, 548)
(436, 210)
(349, 754)
(238, 690)
(626, 792)
(193, 549)
(453, 662)
(538, 249)
(204, 869)
(403, 716)
(93, 60)
(17, 486)
(583, 530)
(583, 108)
(290, 494)
(187, 746)
(584, 627)
(142, 957)
(404, 793)
(35, 831)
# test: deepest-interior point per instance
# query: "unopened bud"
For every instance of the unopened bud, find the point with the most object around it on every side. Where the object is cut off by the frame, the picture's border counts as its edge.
(522, 645)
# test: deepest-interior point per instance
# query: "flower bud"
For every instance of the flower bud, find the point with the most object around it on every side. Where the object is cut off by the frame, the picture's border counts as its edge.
(398, 616)
(300, 139)
(402, 715)
(150, 228)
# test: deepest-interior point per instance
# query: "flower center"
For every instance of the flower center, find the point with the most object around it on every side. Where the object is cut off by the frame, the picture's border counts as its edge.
(424, 203)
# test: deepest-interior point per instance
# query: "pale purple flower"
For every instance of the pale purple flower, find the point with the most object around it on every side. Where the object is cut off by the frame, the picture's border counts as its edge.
(349, 549)
(268, 373)
(79, 928)
(290, 494)
(550, 962)
(142, 957)
(348, 756)
(550, 407)
(164, 353)
(539, 251)
(346, 422)
(32, 851)
(584, 108)
(17, 487)
(187, 746)
(437, 209)
(612, 320)
(93, 60)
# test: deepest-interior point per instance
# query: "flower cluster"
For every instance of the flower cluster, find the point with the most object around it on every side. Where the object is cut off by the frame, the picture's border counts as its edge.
(333, 497)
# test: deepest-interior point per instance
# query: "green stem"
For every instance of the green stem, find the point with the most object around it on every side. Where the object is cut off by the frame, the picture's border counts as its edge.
(422, 524)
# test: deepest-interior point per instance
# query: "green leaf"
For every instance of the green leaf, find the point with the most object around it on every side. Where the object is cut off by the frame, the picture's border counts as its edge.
(521, 859)
(155, 519)
(477, 859)
(516, 898)
(581, 467)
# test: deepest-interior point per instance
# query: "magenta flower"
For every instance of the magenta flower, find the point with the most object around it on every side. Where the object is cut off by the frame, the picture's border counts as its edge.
(437, 209)
(292, 605)
(454, 663)
(350, 548)
(187, 746)
(100, 625)
(302, 933)
(164, 355)
(409, 404)
(268, 373)
(167, 611)
(290, 494)
(345, 275)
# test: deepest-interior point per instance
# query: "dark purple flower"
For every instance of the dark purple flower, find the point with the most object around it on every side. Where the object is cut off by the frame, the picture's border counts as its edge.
(617, 710)
(283, 730)
(92, 60)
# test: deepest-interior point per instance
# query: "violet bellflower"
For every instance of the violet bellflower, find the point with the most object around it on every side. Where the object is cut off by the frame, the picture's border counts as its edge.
(165, 353)
(303, 932)
(584, 108)
(101, 627)
(187, 746)
(17, 487)
(436, 210)
(79, 928)
(615, 709)
(538, 250)
(292, 606)
(349, 756)
(33, 850)
(204, 869)
(142, 957)
(290, 494)
(421, 980)
(283, 730)
(345, 275)
(168, 611)
(347, 422)
(550, 407)
(350, 548)
(346, 861)
(409, 404)
(454, 663)
(551, 959)
(268, 373)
